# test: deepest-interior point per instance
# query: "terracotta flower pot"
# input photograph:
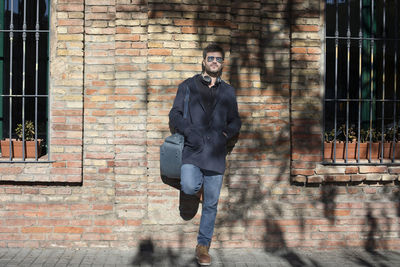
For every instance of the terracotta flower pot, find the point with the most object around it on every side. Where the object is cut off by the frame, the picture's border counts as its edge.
(17, 148)
(363, 150)
(329, 153)
(388, 150)
(374, 148)
(328, 150)
(353, 150)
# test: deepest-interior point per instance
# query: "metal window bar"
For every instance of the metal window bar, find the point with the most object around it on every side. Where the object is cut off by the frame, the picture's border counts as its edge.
(37, 26)
(336, 75)
(348, 82)
(24, 81)
(371, 81)
(383, 78)
(395, 81)
(11, 77)
(23, 96)
(360, 35)
(372, 91)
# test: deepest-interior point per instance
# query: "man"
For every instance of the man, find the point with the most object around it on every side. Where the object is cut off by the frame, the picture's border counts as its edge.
(212, 120)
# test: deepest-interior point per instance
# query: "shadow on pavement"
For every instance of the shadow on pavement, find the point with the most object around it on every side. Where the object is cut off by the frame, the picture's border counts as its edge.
(148, 255)
(374, 258)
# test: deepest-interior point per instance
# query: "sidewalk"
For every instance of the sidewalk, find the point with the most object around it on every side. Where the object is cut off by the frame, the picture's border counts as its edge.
(179, 257)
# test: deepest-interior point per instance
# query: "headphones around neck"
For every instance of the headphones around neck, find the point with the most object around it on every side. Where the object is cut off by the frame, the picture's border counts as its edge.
(207, 79)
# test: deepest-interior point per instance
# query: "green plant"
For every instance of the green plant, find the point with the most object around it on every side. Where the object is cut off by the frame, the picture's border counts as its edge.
(29, 131)
(370, 134)
(351, 133)
(329, 135)
(366, 135)
(341, 134)
(392, 133)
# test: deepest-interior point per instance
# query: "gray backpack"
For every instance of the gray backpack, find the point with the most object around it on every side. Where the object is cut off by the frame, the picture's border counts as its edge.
(171, 149)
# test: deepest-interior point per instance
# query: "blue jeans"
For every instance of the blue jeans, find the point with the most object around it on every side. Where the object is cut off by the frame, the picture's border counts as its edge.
(192, 179)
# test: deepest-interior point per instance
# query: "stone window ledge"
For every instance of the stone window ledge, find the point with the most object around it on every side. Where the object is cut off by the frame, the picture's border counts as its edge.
(349, 173)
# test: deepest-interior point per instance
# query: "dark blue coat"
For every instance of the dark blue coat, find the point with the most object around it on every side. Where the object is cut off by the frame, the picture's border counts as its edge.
(205, 143)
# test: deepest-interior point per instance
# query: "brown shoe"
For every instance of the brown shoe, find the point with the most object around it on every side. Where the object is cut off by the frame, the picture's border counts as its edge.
(202, 256)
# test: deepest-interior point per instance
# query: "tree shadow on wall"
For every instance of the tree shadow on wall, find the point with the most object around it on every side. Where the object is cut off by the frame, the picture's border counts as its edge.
(328, 195)
(259, 67)
(260, 192)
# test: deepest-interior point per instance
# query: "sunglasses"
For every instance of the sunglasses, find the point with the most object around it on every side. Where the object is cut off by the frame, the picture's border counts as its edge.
(211, 59)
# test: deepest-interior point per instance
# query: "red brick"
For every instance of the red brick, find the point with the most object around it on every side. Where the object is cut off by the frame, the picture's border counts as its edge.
(102, 207)
(70, 7)
(189, 22)
(306, 172)
(370, 190)
(358, 178)
(159, 52)
(394, 170)
(36, 230)
(13, 190)
(373, 169)
(11, 170)
(123, 30)
(33, 213)
(306, 28)
(314, 179)
(337, 178)
(306, 57)
(299, 50)
(313, 50)
(99, 230)
(9, 230)
(70, 22)
(288, 222)
(69, 229)
(20, 206)
(80, 222)
(128, 8)
(134, 222)
(342, 212)
(189, 30)
(109, 222)
(30, 191)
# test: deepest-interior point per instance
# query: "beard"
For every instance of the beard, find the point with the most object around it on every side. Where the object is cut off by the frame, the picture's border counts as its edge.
(213, 73)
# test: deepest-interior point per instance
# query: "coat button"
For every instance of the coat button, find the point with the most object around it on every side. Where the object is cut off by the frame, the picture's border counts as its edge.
(208, 137)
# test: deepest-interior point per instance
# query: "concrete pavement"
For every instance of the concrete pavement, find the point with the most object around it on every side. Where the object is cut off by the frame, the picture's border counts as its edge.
(184, 257)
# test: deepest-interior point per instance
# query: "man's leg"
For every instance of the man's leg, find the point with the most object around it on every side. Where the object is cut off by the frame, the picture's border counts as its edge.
(190, 182)
(191, 179)
(212, 187)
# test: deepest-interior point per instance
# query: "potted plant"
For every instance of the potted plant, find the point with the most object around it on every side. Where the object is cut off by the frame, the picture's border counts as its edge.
(370, 141)
(329, 146)
(391, 146)
(367, 147)
(28, 143)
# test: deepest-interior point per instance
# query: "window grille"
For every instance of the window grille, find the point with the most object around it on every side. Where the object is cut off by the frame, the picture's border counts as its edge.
(361, 102)
(24, 57)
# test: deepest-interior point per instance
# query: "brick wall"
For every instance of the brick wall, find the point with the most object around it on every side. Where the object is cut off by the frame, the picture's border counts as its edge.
(115, 67)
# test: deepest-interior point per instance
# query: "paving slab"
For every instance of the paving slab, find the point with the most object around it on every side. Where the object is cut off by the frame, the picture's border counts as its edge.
(108, 257)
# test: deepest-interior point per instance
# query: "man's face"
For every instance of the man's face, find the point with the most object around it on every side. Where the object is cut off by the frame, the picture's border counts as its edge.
(213, 63)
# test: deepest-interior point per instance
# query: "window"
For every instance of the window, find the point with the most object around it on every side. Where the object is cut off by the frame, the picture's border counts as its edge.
(24, 63)
(361, 102)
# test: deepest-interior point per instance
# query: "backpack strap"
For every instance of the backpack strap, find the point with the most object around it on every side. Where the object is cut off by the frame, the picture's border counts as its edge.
(186, 102)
